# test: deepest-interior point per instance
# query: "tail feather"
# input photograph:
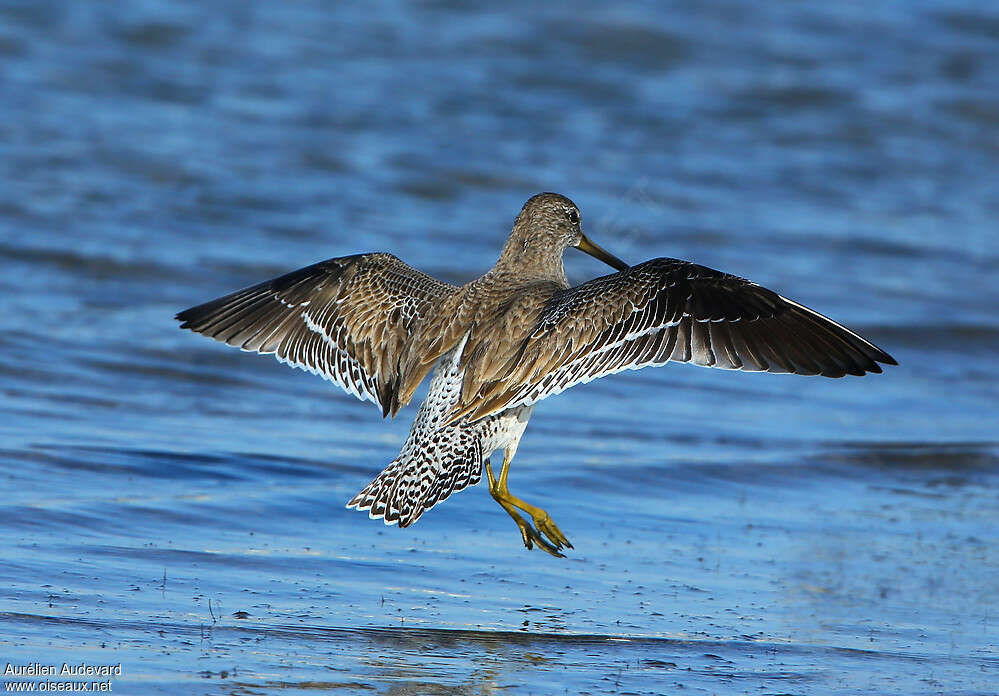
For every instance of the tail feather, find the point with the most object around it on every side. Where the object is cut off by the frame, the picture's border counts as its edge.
(437, 460)
(419, 479)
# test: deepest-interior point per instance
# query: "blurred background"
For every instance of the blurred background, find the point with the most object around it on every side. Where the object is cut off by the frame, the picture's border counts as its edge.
(177, 506)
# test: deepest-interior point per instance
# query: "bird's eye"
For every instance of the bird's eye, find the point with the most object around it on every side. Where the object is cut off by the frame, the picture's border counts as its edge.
(573, 216)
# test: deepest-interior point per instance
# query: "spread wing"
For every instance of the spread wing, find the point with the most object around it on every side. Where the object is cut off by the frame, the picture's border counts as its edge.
(670, 310)
(346, 319)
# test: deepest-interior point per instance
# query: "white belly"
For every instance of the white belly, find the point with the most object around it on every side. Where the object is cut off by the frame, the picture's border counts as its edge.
(499, 431)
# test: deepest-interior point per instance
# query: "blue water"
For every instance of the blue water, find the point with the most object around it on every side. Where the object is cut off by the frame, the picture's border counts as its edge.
(176, 506)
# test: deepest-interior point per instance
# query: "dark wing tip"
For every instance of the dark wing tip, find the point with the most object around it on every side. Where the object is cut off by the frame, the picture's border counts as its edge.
(203, 318)
(886, 359)
(187, 317)
(871, 355)
(294, 287)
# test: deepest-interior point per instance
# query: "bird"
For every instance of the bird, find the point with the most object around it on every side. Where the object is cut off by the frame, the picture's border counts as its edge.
(509, 339)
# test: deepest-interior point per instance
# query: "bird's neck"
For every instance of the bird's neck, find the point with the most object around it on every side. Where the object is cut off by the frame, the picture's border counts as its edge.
(531, 262)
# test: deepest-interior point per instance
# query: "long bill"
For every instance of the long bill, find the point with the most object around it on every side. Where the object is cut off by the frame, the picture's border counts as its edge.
(596, 252)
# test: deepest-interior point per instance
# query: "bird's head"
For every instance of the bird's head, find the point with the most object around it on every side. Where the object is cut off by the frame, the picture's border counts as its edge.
(547, 225)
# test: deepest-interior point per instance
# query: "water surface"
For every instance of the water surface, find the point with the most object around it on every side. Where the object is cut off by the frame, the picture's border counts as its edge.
(177, 506)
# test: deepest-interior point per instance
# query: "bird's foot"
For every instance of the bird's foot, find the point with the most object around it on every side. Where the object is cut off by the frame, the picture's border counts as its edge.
(546, 525)
(533, 535)
(543, 527)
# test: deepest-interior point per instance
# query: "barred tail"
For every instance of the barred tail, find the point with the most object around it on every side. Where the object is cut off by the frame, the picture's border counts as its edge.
(418, 479)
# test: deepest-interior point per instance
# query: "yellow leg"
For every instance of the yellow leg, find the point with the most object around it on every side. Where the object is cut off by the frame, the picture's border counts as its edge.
(543, 524)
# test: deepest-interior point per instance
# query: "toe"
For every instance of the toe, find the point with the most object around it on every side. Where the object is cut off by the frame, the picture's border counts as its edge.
(544, 545)
(546, 526)
(553, 550)
(525, 533)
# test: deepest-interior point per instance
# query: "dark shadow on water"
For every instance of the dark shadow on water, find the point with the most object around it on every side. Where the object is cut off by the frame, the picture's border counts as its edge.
(403, 640)
(968, 457)
(401, 660)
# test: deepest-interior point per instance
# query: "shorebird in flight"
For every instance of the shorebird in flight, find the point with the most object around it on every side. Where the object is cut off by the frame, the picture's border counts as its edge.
(508, 339)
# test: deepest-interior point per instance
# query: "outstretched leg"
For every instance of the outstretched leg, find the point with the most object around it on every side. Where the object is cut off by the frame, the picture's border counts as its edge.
(543, 523)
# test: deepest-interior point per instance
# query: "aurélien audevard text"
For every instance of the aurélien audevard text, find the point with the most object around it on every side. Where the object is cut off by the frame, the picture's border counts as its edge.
(66, 669)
